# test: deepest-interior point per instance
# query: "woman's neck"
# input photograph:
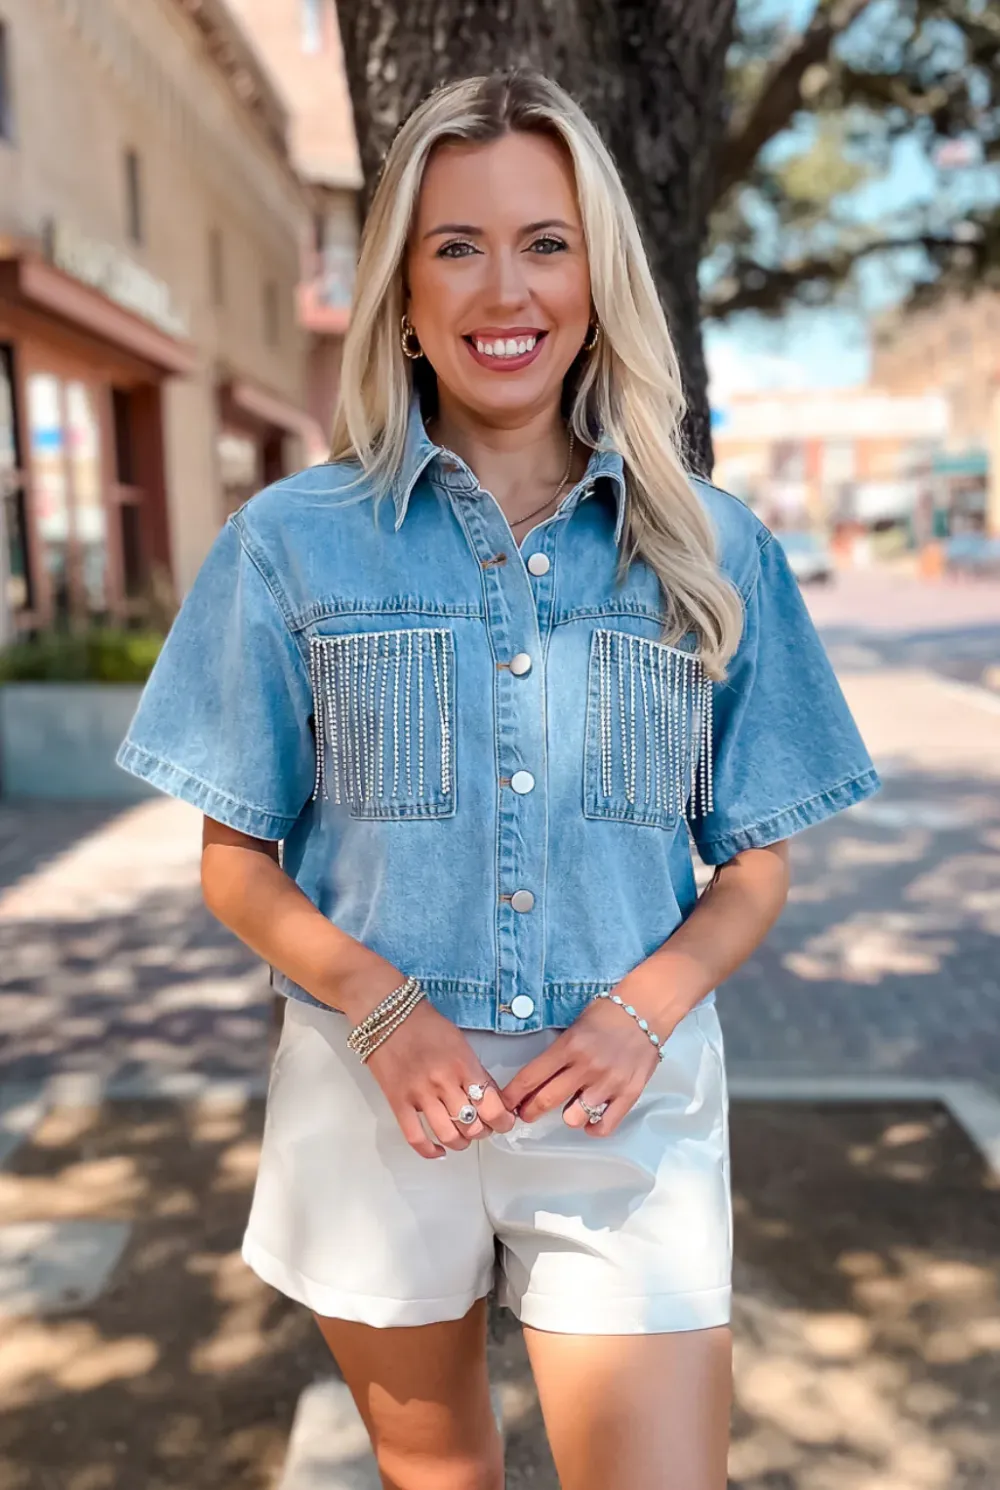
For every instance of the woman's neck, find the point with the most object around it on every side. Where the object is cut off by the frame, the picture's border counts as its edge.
(518, 463)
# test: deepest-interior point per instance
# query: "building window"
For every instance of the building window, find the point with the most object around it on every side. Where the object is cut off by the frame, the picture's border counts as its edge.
(16, 568)
(272, 314)
(216, 268)
(312, 25)
(64, 431)
(6, 102)
(133, 197)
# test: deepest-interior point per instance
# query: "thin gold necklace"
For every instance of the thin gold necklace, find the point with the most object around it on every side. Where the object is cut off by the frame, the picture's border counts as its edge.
(516, 522)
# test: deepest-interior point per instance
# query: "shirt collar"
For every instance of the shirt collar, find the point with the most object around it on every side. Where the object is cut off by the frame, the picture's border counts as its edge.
(420, 452)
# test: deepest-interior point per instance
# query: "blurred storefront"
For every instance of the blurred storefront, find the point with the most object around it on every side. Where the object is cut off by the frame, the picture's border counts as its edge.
(952, 346)
(844, 459)
(152, 372)
(298, 41)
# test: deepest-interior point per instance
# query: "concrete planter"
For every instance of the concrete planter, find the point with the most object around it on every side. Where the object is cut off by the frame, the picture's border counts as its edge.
(58, 742)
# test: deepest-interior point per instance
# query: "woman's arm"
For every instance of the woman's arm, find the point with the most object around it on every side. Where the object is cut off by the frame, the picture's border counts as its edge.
(604, 1055)
(733, 916)
(245, 888)
(426, 1066)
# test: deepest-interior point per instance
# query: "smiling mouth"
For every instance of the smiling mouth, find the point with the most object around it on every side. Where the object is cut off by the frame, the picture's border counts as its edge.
(504, 347)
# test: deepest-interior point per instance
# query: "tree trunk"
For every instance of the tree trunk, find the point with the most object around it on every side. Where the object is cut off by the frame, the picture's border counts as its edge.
(650, 74)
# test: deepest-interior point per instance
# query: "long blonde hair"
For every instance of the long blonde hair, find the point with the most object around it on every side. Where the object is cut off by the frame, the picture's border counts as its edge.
(629, 389)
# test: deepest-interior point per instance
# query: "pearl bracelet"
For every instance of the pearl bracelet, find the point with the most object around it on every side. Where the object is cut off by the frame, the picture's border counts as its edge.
(615, 998)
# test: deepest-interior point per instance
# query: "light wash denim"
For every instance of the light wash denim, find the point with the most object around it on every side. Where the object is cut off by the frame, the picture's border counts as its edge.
(483, 762)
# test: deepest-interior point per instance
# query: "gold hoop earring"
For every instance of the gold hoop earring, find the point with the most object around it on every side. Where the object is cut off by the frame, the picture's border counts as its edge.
(593, 337)
(408, 340)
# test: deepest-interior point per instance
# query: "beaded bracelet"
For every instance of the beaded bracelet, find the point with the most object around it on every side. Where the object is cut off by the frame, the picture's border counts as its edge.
(381, 1034)
(615, 998)
(385, 1017)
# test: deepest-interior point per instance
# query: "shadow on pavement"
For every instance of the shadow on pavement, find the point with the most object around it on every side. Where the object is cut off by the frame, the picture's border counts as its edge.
(33, 834)
(161, 987)
(886, 958)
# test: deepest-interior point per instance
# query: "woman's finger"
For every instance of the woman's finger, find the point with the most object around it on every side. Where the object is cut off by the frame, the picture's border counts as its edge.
(443, 1125)
(491, 1109)
(618, 1108)
(576, 1115)
(415, 1134)
(535, 1074)
(555, 1093)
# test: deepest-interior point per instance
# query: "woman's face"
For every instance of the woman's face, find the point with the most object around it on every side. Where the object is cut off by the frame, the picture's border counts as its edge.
(499, 284)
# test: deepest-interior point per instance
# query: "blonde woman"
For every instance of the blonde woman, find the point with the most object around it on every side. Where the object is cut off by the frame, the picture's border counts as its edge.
(486, 675)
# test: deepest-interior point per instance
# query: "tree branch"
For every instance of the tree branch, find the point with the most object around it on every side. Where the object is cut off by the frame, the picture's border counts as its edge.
(753, 286)
(780, 93)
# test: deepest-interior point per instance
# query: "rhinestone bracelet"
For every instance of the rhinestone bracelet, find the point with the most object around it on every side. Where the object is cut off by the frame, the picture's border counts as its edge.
(379, 1038)
(382, 1011)
(386, 1017)
(643, 1025)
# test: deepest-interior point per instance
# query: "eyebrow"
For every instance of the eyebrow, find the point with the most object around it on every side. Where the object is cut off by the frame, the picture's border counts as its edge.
(471, 231)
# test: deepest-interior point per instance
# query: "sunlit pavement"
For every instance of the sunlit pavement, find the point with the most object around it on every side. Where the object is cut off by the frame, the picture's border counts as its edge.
(887, 959)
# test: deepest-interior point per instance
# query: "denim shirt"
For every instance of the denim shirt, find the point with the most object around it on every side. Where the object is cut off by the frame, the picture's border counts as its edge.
(483, 762)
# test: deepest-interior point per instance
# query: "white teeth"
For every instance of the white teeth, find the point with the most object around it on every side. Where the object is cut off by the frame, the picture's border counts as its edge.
(506, 346)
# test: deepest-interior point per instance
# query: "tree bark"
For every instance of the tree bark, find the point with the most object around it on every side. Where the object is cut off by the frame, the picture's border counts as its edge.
(650, 73)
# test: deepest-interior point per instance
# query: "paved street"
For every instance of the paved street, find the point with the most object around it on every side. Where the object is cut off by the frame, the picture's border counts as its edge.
(886, 960)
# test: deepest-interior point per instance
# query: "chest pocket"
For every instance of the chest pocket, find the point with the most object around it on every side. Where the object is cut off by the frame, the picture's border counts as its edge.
(384, 715)
(648, 749)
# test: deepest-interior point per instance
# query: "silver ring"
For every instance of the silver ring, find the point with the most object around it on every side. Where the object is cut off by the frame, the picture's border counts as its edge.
(594, 1114)
(477, 1092)
(466, 1115)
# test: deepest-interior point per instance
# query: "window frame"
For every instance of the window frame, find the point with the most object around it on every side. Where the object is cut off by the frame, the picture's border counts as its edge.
(135, 215)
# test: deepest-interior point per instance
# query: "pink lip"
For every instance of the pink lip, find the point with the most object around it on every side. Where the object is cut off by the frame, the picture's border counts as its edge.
(505, 364)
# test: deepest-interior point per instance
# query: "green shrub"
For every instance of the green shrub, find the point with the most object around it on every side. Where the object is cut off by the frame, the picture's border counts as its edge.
(98, 656)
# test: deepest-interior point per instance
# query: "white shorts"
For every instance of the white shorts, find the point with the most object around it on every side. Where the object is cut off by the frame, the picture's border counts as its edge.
(629, 1234)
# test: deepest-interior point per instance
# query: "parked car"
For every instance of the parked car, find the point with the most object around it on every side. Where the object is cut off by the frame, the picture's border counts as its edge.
(972, 554)
(808, 555)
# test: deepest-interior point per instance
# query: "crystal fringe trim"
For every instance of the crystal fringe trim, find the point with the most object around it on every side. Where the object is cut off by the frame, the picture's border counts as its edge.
(371, 684)
(655, 723)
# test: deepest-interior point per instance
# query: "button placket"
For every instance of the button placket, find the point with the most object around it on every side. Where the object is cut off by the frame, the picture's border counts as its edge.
(522, 808)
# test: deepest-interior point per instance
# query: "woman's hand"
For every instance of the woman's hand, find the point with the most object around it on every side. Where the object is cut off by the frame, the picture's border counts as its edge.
(602, 1057)
(426, 1066)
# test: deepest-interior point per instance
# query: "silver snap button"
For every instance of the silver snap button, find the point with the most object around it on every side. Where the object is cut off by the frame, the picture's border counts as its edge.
(521, 782)
(520, 664)
(522, 900)
(538, 564)
(522, 1007)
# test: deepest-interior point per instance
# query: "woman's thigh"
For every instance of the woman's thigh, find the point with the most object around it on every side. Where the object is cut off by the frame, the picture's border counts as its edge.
(423, 1392)
(636, 1412)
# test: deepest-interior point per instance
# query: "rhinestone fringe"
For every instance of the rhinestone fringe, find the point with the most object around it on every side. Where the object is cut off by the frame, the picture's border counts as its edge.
(353, 709)
(655, 733)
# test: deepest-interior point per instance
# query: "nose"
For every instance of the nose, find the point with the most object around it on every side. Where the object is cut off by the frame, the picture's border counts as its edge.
(508, 287)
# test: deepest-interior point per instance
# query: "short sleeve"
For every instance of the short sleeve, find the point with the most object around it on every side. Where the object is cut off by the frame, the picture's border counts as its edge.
(786, 750)
(224, 719)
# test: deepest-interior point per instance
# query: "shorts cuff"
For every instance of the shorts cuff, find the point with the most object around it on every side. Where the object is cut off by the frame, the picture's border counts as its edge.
(650, 1314)
(359, 1308)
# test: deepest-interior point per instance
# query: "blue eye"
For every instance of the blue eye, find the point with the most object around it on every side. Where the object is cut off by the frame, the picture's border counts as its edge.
(456, 250)
(548, 245)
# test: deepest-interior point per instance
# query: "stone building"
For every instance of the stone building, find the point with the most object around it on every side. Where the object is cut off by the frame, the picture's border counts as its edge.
(299, 43)
(152, 369)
